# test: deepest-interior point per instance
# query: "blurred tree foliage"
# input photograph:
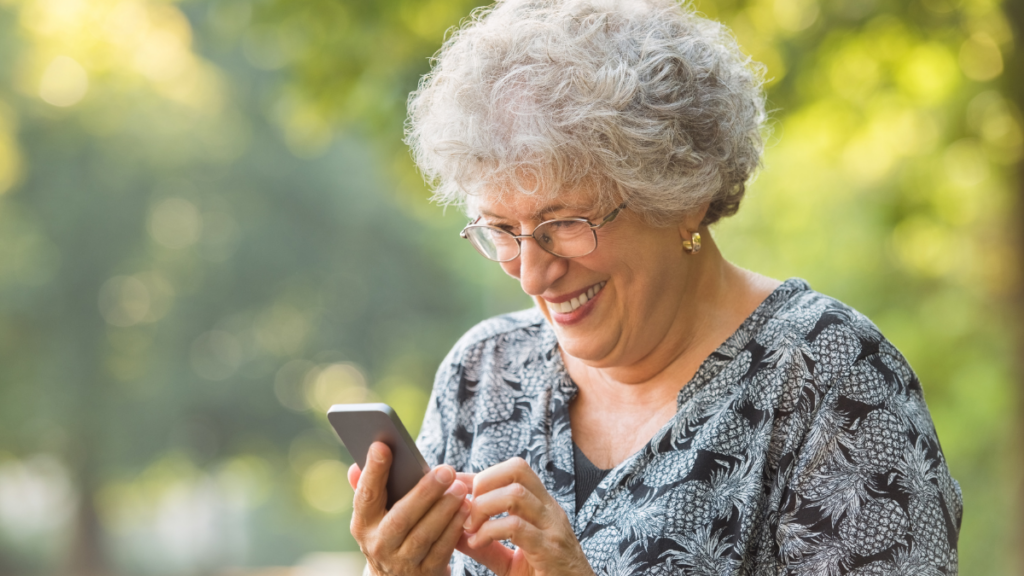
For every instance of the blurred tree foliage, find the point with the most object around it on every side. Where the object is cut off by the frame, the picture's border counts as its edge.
(210, 231)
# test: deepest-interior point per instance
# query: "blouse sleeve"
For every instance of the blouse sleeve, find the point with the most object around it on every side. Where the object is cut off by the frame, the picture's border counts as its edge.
(432, 439)
(869, 491)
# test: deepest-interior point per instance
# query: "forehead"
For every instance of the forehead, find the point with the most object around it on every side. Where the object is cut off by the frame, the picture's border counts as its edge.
(519, 206)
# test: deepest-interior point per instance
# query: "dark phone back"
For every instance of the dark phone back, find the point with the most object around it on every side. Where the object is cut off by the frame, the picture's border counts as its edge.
(359, 425)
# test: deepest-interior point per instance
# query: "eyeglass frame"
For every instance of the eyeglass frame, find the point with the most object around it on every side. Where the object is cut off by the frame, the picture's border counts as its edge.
(520, 237)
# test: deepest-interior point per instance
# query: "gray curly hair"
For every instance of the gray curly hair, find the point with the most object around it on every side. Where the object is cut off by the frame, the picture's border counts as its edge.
(644, 100)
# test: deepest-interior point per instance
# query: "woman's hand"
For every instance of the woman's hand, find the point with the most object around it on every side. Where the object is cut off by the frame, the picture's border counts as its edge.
(536, 524)
(419, 533)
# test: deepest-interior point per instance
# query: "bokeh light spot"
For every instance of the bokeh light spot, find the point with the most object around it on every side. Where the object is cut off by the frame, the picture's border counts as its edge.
(216, 355)
(929, 73)
(64, 83)
(289, 382)
(795, 15)
(980, 58)
(924, 246)
(124, 301)
(965, 163)
(325, 487)
(247, 479)
(36, 496)
(175, 223)
(282, 330)
(854, 72)
(408, 400)
(311, 447)
(335, 384)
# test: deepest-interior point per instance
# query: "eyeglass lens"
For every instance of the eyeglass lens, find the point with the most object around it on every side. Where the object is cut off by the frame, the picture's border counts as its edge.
(565, 238)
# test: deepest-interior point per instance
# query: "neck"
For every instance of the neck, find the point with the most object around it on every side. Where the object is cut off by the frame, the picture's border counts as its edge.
(718, 297)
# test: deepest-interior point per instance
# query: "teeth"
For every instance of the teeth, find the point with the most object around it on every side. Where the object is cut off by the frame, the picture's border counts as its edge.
(570, 305)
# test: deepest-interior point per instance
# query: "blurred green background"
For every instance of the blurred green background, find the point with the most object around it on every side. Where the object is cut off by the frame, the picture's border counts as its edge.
(210, 231)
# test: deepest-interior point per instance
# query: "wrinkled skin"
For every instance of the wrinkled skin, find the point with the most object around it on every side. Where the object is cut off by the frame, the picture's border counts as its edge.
(536, 524)
(420, 533)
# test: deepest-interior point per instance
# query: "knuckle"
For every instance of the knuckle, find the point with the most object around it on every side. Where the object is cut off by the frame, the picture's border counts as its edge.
(417, 542)
(517, 524)
(366, 494)
(398, 524)
(373, 549)
(518, 490)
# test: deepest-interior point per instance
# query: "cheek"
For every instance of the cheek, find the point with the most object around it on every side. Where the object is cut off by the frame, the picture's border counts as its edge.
(512, 268)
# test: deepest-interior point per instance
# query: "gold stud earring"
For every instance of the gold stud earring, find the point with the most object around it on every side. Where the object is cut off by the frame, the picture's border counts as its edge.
(692, 246)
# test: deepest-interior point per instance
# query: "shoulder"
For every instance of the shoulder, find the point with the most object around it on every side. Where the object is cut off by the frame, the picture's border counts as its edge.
(863, 451)
(810, 314)
(812, 343)
(832, 335)
(525, 327)
(524, 322)
(504, 347)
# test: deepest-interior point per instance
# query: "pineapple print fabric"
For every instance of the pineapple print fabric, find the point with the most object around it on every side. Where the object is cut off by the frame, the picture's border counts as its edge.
(802, 446)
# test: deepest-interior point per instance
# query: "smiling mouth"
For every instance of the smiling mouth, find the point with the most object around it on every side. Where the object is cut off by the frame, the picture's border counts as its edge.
(571, 305)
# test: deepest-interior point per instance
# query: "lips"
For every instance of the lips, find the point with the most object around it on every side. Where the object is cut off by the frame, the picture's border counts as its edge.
(572, 304)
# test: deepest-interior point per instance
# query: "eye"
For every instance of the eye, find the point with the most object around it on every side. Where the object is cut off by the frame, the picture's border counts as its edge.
(568, 227)
(499, 225)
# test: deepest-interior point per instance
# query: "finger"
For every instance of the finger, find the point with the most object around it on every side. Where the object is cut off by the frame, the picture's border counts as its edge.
(425, 533)
(371, 489)
(512, 471)
(465, 477)
(496, 557)
(519, 531)
(441, 552)
(353, 475)
(410, 509)
(514, 499)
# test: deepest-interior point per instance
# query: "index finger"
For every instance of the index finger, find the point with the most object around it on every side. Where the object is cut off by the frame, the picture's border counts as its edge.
(353, 475)
(411, 507)
(512, 471)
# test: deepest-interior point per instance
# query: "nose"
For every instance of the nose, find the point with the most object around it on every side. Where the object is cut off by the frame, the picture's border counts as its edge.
(535, 268)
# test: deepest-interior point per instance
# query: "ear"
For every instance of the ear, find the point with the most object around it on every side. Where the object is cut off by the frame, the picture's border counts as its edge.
(691, 221)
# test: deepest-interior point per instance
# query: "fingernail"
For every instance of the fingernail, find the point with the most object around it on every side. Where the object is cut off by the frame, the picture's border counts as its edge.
(444, 475)
(464, 508)
(375, 453)
(467, 524)
(459, 489)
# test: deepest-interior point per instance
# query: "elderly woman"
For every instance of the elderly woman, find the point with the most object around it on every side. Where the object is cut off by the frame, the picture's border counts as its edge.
(660, 410)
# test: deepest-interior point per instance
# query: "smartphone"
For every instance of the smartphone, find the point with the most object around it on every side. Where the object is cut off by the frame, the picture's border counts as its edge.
(359, 425)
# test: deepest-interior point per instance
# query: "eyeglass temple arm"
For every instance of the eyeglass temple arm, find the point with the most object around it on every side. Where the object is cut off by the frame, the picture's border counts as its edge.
(462, 234)
(610, 217)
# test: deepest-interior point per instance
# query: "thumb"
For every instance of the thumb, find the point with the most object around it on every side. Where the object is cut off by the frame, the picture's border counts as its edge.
(495, 556)
(371, 489)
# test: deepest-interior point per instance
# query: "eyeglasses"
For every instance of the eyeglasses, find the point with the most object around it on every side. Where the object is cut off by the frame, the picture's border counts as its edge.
(564, 237)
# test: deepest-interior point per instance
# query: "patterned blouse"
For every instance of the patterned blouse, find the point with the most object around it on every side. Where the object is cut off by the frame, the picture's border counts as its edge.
(801, 446)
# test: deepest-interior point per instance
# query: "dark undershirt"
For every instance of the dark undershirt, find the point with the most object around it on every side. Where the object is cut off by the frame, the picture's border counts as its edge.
(588, 476)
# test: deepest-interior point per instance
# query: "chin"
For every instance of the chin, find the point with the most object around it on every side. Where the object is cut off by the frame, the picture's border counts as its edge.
(584, 349)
